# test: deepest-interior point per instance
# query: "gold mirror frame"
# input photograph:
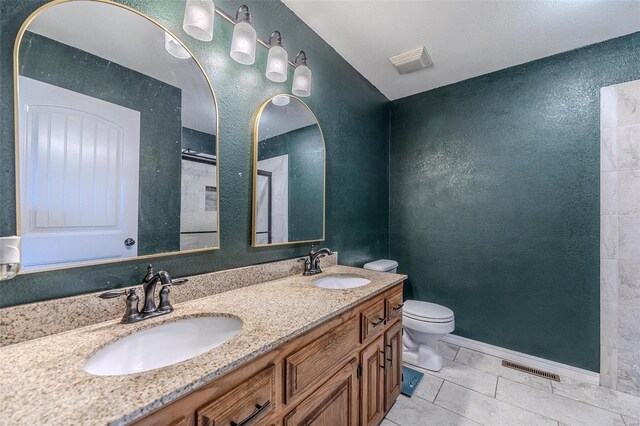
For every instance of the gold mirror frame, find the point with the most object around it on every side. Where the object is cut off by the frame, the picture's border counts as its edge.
(254, 197)
(16, 112)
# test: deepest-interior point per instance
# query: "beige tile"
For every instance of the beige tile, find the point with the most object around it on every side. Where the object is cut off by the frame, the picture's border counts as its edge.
(608, 107)
(626, 148)
(387, 422)
(629, 283)
(418, 412)
(486, 410)
(599, 396)
(428, 387)
(628, 104)
(547, 404)
(608, 281)
(493, 365)
(477, 380)
(629, 237)
(608, 149)
(608, 193)
(448, 350)
(608, 237)
(628, 192)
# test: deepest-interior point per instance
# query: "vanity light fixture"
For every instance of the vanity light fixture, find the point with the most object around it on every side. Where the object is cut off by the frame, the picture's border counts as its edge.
(243, 43)
(281, 100)
(174, 47)
(301, 76)
(198, 19)
(9, 257)
(277, 60)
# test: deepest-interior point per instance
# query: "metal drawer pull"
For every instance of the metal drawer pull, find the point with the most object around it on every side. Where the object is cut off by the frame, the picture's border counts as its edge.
(259, 410)
(377, 323)
(395, 308)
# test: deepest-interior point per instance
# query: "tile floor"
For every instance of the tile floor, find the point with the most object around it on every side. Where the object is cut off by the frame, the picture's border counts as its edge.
(474, 388)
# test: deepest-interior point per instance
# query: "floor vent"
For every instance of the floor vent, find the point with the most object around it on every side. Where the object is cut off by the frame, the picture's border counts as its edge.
(530, 370)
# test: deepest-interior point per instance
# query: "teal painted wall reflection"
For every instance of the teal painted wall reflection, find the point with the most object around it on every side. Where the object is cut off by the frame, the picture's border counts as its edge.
(495, 200)
(353, 114)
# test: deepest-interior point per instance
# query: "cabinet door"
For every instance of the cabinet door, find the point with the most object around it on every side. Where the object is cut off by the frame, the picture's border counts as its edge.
(334, 403)
(372, 383)
(393, 364)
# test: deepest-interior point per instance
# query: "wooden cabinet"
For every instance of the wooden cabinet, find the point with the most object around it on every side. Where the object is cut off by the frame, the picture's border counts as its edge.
(373, 319)
(333, 403)
(249, 403)
(372, 361)
(393, 363)
(346, 371)
(309, 365)
(394, 306)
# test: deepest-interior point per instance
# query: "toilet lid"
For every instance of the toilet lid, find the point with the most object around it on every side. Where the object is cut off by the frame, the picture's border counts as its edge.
(427, 311)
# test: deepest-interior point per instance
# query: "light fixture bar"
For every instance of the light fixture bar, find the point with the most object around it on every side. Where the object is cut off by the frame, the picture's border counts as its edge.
(261, 42)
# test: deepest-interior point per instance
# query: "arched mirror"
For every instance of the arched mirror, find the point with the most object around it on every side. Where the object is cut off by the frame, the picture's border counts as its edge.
(288, 174)
(116, 136)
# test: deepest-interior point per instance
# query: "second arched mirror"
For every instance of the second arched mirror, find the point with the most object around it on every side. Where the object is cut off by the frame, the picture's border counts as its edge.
(288, 174)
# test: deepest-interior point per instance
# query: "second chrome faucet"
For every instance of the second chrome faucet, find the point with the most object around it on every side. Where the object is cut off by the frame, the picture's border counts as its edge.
(149, 309)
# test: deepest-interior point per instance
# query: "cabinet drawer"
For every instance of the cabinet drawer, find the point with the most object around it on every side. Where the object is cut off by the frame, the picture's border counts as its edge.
(309, 365)
(252, 402)
(372, 319)
(394, 306)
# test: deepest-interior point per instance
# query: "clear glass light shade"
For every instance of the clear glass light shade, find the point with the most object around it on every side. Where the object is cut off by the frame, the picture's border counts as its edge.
(243, 43)
(198, 19)
(174, 47)
(302, 81)
(277, 64)
(281, 100)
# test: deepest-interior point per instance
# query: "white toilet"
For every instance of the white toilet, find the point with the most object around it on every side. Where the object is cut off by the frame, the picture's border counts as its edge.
(424, 324)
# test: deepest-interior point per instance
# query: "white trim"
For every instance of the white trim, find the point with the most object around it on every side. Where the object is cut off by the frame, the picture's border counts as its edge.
(529, 360)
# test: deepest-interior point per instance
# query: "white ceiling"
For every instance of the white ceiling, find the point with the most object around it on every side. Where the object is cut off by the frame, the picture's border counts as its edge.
(464, 38)
(127, 39)
(277, 120)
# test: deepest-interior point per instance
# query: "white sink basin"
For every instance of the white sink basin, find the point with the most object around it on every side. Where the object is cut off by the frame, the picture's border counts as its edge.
(340, 282)
(163, 345)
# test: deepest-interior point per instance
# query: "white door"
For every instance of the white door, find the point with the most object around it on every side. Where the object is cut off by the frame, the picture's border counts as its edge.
(79, 166)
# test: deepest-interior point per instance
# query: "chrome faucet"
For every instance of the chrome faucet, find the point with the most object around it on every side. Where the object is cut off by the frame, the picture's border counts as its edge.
(149, 310)
(312, 262)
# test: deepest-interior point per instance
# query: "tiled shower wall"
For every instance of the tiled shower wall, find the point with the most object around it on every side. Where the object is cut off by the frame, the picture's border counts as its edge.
(620, 237)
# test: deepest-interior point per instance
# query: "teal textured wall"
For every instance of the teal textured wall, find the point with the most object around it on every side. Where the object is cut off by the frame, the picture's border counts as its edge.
(159, 199)
(201, 142)
(304, 148)
(494, 189)
(354, 120)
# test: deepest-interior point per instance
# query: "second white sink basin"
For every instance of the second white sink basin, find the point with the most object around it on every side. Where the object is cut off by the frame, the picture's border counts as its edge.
(340, 282)
(163, 345)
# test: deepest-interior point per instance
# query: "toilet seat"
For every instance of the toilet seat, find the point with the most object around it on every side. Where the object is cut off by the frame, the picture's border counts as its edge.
(427, 312)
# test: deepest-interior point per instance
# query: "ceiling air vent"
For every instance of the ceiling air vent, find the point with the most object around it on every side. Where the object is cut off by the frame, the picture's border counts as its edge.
(413, 60)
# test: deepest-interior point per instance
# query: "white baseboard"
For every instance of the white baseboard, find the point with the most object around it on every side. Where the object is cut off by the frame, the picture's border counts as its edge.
(520, 358)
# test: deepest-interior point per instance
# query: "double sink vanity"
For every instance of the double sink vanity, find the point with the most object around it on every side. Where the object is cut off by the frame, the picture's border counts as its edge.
(320, 349)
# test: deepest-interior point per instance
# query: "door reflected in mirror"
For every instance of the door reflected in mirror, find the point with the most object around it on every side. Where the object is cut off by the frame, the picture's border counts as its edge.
(289, 168)
(117, 139)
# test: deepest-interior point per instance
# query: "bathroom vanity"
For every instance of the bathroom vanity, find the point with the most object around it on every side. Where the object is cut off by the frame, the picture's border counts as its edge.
(305, 354)
(346, 369)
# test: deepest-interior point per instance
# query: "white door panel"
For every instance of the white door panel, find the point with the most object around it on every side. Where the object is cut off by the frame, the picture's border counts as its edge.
(79, 165)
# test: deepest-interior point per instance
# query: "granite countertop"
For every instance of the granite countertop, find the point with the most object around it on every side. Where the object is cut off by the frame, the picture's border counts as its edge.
(43, 381)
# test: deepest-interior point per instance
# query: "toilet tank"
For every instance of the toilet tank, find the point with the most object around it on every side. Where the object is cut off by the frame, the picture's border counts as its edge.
(382, 265)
